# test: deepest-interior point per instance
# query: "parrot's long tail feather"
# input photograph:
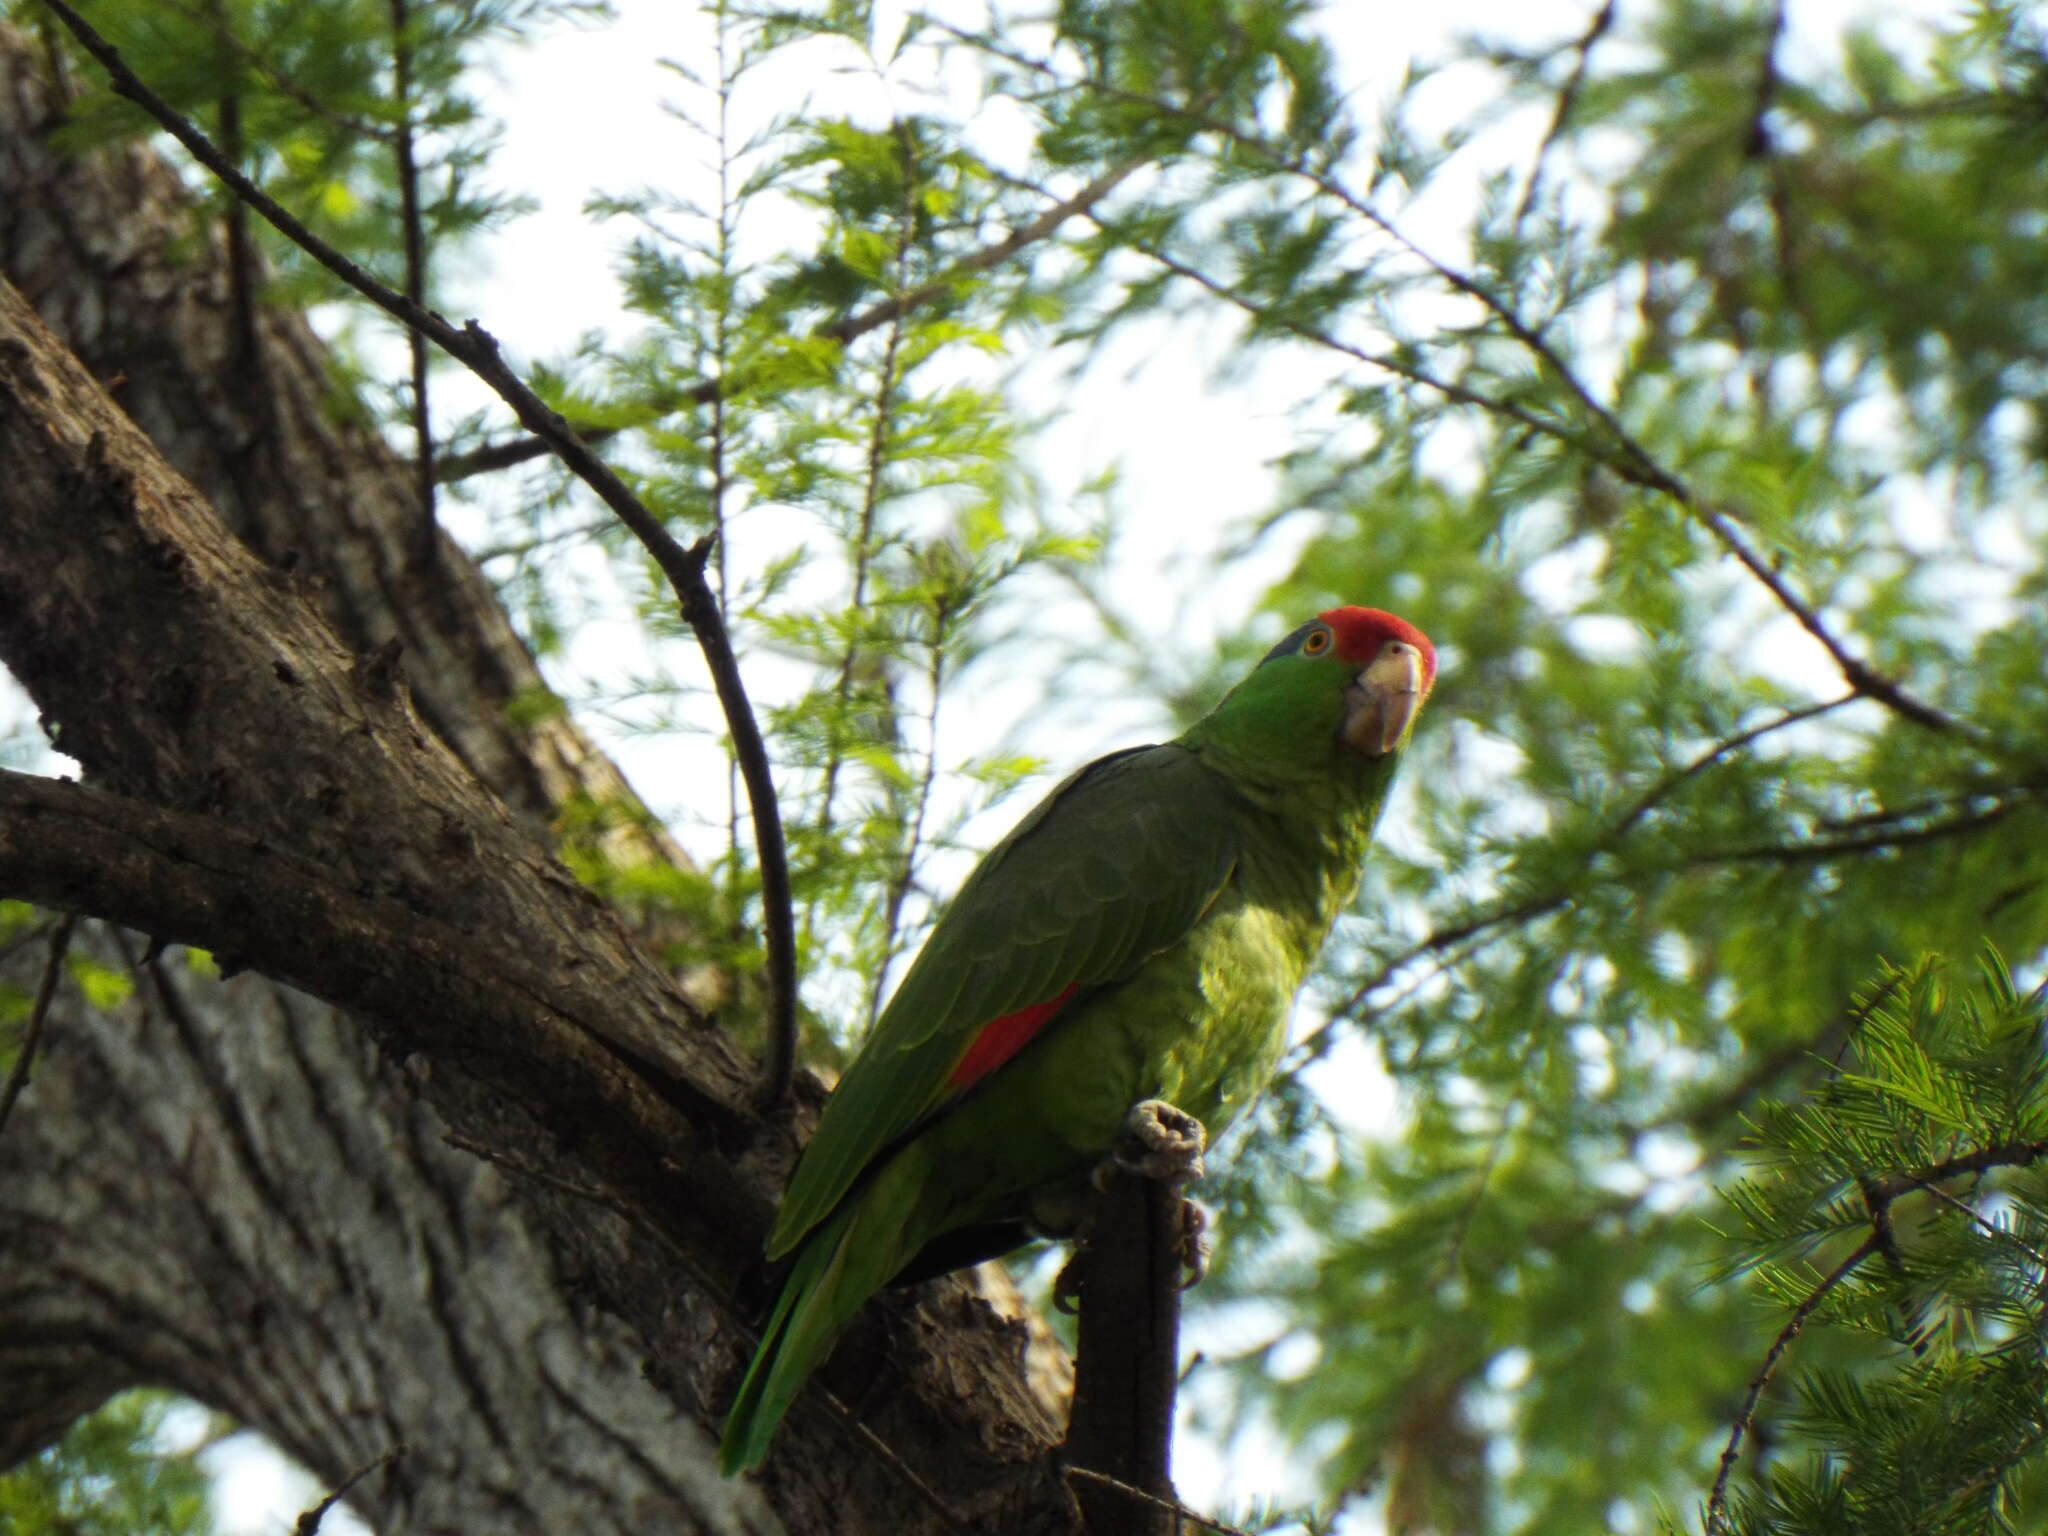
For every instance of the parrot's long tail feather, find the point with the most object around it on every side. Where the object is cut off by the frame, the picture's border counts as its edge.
(839, 1267)
(799, 1331)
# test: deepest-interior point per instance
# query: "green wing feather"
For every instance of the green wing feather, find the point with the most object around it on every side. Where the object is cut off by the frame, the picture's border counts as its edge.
(1116, 864)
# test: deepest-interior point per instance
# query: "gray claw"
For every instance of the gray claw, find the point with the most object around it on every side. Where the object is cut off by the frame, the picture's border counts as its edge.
(1194, 1243)
(1161, 1142)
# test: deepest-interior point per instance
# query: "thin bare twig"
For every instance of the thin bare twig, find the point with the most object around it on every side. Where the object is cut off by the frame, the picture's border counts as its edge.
(1756, 142)
(1991, 1228)
(520, 548)
(1180, 1511)
(1029, 233)
(477, 350)
(1703, 1114)
(39, 1010)
(241, 250)
(309, 1522)
(906, 872)
(1760, 145)
(1310, 1045)
(864, 551)
(1667, 786)
(1717, 1501)
(1819, 850)
(1386, 362)
(778, 1055)
(15, 943)
(486, 458)
(214, 20)
(859, 1428)
(426, 548)
(1567, 100)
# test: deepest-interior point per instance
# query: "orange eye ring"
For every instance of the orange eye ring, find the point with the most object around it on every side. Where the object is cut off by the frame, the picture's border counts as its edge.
(1318, 641)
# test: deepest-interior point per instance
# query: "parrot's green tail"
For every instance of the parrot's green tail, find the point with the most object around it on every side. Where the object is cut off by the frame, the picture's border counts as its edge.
(838, 1268)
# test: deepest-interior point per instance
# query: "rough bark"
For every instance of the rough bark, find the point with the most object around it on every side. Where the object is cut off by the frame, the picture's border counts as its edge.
(232, 1191)
(240, 1192)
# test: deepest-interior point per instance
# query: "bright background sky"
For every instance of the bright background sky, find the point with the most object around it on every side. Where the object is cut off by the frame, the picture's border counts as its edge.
(583, 113)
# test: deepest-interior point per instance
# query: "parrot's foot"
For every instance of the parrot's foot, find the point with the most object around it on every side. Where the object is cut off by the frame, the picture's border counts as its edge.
(1159, 1142)
(1192, 1251)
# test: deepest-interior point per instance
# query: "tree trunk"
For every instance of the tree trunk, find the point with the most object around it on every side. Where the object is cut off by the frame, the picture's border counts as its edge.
(235, 1190)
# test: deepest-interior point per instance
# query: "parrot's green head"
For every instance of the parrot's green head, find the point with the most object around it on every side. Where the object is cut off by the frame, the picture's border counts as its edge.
(1342, 691)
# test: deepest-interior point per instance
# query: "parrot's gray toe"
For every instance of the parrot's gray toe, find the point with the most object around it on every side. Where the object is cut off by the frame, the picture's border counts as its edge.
(1194, 1243)
(1159, 1141)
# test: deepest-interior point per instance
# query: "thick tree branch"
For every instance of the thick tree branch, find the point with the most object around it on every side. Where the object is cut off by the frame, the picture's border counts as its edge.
(199, 881)
(238, 702)
(190, 677)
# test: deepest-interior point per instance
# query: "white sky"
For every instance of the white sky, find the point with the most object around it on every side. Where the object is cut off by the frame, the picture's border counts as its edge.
(583, 113)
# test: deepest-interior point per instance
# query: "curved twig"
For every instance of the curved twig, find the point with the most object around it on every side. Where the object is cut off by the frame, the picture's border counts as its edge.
(1717, 1501)
(477, 349)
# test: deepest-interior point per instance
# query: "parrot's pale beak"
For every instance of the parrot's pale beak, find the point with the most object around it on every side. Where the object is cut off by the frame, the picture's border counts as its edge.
(1381, 702)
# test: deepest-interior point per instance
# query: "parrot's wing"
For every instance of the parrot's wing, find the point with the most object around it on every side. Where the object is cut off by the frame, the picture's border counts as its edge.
(1113, 866)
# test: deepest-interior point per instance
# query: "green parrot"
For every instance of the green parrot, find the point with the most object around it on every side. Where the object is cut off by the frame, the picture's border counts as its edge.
(1139, 937)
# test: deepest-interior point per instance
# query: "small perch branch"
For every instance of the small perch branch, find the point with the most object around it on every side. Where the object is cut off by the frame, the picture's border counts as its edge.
(1120, 1436)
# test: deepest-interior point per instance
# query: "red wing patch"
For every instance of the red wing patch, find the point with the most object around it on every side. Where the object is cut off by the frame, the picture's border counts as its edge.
(1002, 1038)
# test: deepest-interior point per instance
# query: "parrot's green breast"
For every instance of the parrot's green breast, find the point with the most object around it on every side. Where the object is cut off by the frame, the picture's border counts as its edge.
(1201, 1024)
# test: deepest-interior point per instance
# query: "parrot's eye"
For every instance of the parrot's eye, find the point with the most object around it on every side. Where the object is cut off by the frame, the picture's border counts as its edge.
(1318, 641)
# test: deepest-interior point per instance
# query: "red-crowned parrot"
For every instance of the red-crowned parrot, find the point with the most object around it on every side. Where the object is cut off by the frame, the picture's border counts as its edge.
(1140, 936)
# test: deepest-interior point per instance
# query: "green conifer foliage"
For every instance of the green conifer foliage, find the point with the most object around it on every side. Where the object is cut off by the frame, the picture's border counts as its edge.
(1685, 376)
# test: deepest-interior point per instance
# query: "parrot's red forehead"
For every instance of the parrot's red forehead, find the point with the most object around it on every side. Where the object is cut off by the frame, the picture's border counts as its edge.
(1361, 632)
